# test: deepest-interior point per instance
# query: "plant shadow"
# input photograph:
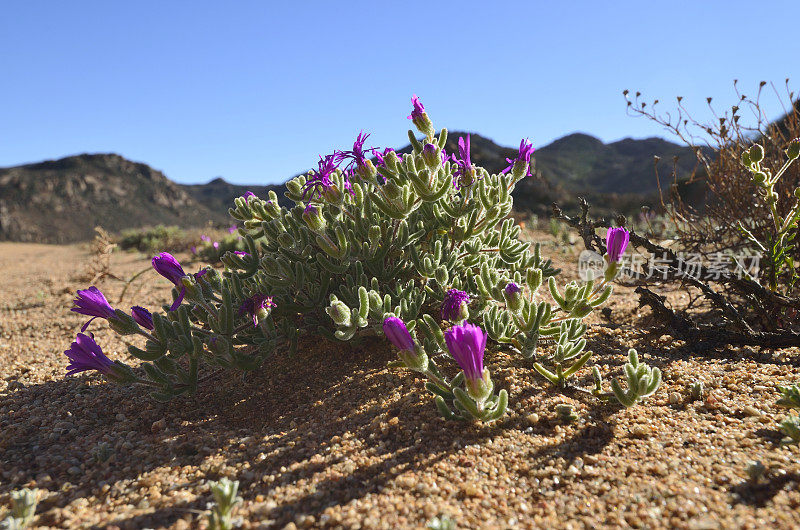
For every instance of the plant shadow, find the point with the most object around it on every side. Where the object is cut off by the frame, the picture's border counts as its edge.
(299, 421)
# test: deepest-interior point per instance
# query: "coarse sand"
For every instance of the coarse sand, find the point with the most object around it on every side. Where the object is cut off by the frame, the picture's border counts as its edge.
(332, 438)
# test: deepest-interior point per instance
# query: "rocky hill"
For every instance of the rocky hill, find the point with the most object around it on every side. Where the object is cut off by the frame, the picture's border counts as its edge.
(61, 201)
(618, 176)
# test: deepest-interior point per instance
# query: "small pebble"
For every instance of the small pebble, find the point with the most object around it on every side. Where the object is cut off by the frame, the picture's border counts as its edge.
(751, 411)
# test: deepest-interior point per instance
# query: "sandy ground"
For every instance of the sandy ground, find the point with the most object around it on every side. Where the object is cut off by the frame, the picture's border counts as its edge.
(331, 438)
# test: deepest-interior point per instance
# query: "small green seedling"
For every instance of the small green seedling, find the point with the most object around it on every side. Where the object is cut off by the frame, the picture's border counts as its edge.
(23, 508)
(642, 381)
(790, 426)
(224, 492)
(566, 413)
(697, 390)
(441, 523)
(790, 396)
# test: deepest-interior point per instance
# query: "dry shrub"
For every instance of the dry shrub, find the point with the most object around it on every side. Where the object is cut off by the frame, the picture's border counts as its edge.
(99, 265)
(707, 206)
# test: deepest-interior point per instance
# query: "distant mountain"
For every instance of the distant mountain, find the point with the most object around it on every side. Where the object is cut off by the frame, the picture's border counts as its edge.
(218, 195)
(582, 163)
(618, 176)
(61, 201)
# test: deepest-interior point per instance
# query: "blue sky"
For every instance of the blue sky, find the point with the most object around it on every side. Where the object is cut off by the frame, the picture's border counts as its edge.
(254, 91)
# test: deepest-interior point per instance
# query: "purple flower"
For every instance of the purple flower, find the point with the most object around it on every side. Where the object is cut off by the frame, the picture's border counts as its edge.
(248, 195)
(84, 354)
(616, 243)
(382, 156)
(356, 156)
(167, 266)
(467, 343)
(241, 253)
(524, 156)
(232, 229)
(420, 118)
(512, 289)
(205, 238)
(142, 317)
(91, 302)
(431, 158)
(215, 244)
(193, 249)
(257, 307)
(418, 111)
(320, 181)
(452, 305)
(465, 173)
(397, 333)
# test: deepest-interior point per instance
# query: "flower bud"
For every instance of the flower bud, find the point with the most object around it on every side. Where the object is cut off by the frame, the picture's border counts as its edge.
(759, 177)
(123, 323)
(339, 313)
(481, 388)
(314, 219)
(513, 296)
(756, 153)
(142, 317)
(519, 169)
(431, 156)
(397, 333)
(410, 353)
(467, 345)
(616, 243)
(420, 118)
(793, 151)
(746, 159)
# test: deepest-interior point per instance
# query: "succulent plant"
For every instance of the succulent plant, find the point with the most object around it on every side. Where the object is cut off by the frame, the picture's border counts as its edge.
(642, 381)
(225, 499)
(423, 237)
